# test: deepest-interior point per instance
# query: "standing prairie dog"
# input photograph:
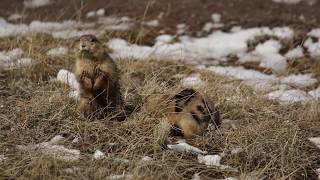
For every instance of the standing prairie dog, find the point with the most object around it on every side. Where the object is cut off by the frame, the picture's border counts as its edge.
(98, 77)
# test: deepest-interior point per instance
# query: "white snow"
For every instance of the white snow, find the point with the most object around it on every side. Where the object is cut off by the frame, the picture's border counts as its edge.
(91, 14)
(181, 28)
(315, 141)
(313, 47)
(217, 45)
(315, 33)
(98, 155)
(300, 80)
(36, 3)
(152, 23)
(15, 17)
(147, 158)
(315, 93)
(196, 176)
(268, 54)
(120, 176)
(68, 78)
(53, 147)
(216, 17)
(295, 53)
(75, 140)
(287, 1)
(241, 73)
(59, 51)
(210, 160)
(192, 80)
(289, 96)
(101, 12)
(12, 59)
(184, 147)
(2, 158)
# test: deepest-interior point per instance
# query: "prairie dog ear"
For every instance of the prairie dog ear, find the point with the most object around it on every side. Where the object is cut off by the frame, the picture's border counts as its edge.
(73, 41)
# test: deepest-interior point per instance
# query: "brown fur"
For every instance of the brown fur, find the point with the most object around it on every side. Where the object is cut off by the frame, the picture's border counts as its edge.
(188, 112)
(98, 77)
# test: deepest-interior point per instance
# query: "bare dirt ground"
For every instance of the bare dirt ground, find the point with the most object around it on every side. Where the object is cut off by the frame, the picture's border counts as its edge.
(247, 13)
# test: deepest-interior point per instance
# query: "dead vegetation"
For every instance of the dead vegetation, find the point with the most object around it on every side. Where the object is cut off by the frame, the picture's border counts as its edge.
(273, 137)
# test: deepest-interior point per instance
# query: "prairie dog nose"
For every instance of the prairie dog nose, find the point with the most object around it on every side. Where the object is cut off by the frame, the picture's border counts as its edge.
(83, 47)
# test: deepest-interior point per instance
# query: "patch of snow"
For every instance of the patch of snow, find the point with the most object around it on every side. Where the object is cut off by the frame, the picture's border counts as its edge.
(192, 80)
(75, 140)
(300, 80)
(295, 53)
(313, 47)
(36, 3)
(68, 78)
(314, 33)
(12, 59)
(184, 147)
(181, 28)
(210, 160)
(2, 158)
(315, 93)
(217, 45)
(121, 176)
(287, 1)
(59, 51)
(268, 54)
(216, 17)
(91, 14)
(236, 150)
(52, 147)
(58, 139)
(147, 158)
(152, 23)
(231, 178)
(15, 17)
(196, 176)
(98, 155)
(241, 73)
(289, 96)
(101, 12)
(318, 173)
(315, 141)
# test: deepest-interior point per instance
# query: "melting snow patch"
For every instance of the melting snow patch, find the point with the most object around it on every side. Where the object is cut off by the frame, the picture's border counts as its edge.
(289, 96)
(152, 23)
(295, 53)
(2, 158)
(287, 1)
(68, 78)
(192, 80)
(313, 47)
(121, 176)
(196, 176)
(315, 93)
(210, 160)
(99, 155)
(15, 17)
(315, 141)
(315, 33)
(36, 3)
(147, 158)
(184, 147)
(241, 73)
(52, 147)
(59, 51)
(300, 80)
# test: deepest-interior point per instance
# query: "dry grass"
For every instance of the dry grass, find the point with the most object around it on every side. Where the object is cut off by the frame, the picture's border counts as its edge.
(33, 110)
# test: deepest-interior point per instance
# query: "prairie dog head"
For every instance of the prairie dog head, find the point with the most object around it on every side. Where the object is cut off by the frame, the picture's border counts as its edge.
(89, 47)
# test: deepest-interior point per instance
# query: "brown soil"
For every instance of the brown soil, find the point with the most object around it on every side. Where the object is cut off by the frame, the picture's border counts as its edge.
(195, 13)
